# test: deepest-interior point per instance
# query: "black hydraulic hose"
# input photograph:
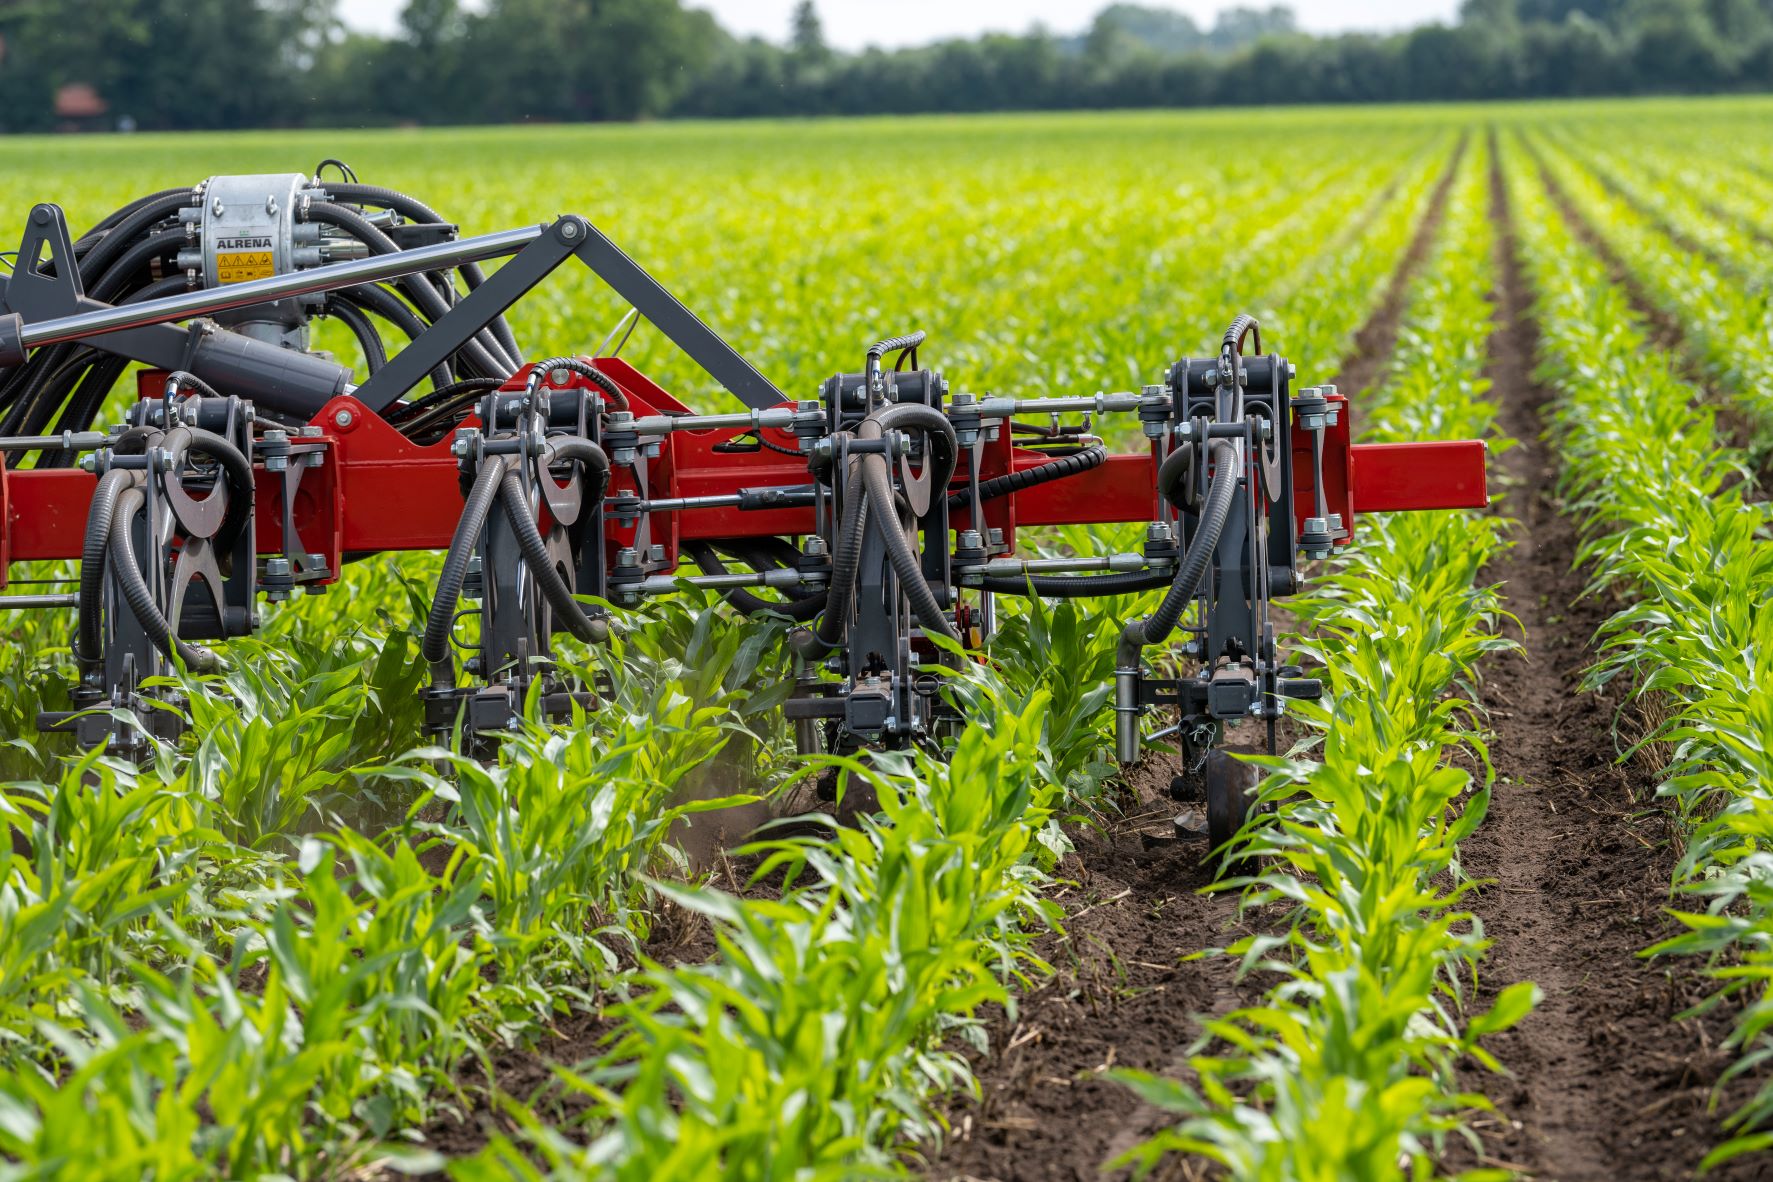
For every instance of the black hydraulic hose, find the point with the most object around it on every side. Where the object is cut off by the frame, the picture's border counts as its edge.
(596, 461)
(89, 629)
(88, 399)
(441, 622)
(400, 412)
(491, 361)
(112, 282)
(96, 234)
(877, 481)
(1175, 478)
(375, 351)
(128, 229)
(1241, 327)
(910, 340)
(1159, 624)
(1001, 486)
(541, 564)
(31, 405)
(617, 399)
(237, 470)
(415, 210)
(373, 297)
(846, 559)
(140, 599)
(801, 609)
(441, 406)
(104, 373)
(1076, 586)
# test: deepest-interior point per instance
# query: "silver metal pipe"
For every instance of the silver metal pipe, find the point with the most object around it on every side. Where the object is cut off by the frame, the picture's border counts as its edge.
(1011, 567)
(779, 417)
(1003, 408)
(209, 301)
(674, 504)
(1127, 663)
(20, 602)
(665, 584)
(66, 441)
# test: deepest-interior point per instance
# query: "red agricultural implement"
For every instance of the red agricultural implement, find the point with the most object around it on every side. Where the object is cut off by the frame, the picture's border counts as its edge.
(881, 512)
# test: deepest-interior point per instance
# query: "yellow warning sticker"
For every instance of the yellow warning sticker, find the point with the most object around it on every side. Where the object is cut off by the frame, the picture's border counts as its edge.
(237, 266)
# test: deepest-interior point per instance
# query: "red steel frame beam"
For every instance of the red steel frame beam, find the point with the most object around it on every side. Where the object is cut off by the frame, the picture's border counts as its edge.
(377, 490)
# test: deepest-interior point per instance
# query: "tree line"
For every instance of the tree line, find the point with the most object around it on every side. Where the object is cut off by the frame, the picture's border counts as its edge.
(165, 64)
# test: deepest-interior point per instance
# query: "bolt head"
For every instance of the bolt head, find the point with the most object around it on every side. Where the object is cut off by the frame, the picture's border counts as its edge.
(569, 231)
(815, 547)
(343, 418)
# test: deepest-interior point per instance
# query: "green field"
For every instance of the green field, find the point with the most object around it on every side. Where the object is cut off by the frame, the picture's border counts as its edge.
(294, 946)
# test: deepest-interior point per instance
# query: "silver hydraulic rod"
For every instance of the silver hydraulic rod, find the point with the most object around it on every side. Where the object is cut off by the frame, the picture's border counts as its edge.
(331, 277)
(666, 584)
(66, 441)
(21, 602)
(1011, 567)
(781, 418)
(1003, 408)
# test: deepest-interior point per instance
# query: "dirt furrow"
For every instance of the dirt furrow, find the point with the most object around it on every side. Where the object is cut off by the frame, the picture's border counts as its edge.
(1123, 995)
(1606, 1083)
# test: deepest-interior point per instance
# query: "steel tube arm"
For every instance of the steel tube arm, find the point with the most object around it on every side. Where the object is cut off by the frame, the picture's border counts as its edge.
(209, 301)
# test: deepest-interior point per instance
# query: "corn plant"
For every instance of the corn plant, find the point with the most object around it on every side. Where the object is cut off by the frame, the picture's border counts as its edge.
(1668, 530)
(1346, 1068)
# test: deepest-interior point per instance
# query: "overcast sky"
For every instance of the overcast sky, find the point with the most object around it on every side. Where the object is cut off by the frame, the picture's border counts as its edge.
(854, 24)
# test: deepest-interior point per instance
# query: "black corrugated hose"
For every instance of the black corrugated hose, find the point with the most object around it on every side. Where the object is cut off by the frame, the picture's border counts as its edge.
(140, 599)
(1001, 486)
(541, 564)
(438, 625)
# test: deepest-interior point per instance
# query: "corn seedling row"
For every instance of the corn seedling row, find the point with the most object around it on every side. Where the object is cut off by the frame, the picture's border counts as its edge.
(1346, 1070)
(1667, 530)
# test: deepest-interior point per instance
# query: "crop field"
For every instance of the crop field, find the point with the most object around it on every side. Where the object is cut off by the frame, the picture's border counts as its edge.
(1509, 913)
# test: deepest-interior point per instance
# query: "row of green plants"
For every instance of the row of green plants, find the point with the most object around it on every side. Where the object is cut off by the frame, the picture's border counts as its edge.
(1712, 281)
(208, 972)
(1673, 530)
(1347, 1067)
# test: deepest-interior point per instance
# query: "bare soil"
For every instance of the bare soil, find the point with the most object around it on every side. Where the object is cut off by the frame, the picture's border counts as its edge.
(1607, 1081)
(1126, 993)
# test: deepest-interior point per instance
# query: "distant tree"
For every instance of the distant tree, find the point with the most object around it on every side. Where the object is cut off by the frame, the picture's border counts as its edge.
(1162, 29)
(806, 39)
(1236, 27)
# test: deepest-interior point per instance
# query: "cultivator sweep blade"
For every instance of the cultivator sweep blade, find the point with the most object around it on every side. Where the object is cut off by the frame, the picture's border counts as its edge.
(877, 515)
